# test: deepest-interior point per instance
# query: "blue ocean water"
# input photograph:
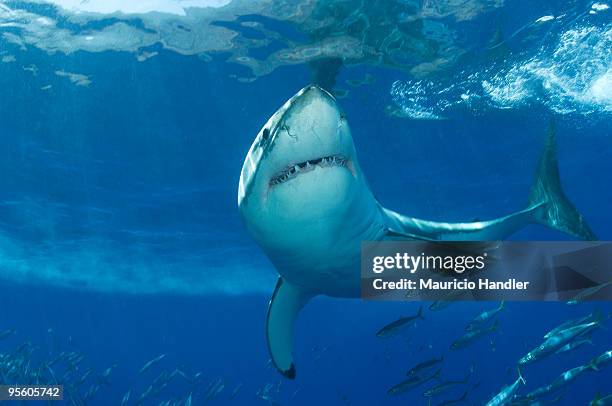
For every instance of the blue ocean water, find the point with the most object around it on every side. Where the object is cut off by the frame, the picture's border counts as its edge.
(120, 236)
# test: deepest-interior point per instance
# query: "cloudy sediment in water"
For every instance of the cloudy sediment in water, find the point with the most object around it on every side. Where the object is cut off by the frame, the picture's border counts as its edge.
(128, 263)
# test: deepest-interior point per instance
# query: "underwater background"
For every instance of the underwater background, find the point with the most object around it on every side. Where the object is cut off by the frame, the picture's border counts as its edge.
(123, 129)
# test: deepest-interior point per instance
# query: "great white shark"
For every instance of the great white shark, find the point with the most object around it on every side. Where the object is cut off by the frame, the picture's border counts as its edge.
(304, 199)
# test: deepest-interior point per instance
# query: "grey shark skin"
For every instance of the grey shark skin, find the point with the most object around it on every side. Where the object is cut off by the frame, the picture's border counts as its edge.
(304, 199)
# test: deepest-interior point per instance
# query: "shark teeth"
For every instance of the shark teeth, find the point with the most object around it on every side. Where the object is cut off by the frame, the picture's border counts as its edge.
(294, 170)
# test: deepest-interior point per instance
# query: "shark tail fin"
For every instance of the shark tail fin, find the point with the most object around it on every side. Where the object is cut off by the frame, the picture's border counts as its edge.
(520, 375)
(598, 319)
(554, 208)
(495, 325)
(285, 304)
(596, 399)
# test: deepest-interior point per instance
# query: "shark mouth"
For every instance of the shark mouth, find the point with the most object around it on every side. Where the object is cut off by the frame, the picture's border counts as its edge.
(294, 170)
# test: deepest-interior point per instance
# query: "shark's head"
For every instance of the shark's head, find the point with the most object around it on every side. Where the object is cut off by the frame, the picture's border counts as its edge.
(300, 170)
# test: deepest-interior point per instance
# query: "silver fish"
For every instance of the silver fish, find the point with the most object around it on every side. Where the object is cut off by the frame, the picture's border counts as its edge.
(424, 366)
(574, 322)
(584, 294)
(598, 362)
(445, 386)
(505, 396)
(557, 341)
(412, 382)
(392, 328)
(601, 401)
(471, 336)
(484, 317)
(152, 362)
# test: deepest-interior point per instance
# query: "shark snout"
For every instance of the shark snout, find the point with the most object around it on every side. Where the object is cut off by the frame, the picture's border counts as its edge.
(312, 112)
(315, 91)
(311, 97)
(311, 134)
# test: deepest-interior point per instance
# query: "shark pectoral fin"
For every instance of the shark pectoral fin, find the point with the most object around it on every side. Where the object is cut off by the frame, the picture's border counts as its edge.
(285, 304)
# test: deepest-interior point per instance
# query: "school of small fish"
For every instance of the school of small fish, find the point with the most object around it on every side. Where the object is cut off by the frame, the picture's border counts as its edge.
(567, 336)
(176, 386)
(67, 366)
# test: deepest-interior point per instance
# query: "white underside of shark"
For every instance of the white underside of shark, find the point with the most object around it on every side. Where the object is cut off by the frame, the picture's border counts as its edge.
(306, 202)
